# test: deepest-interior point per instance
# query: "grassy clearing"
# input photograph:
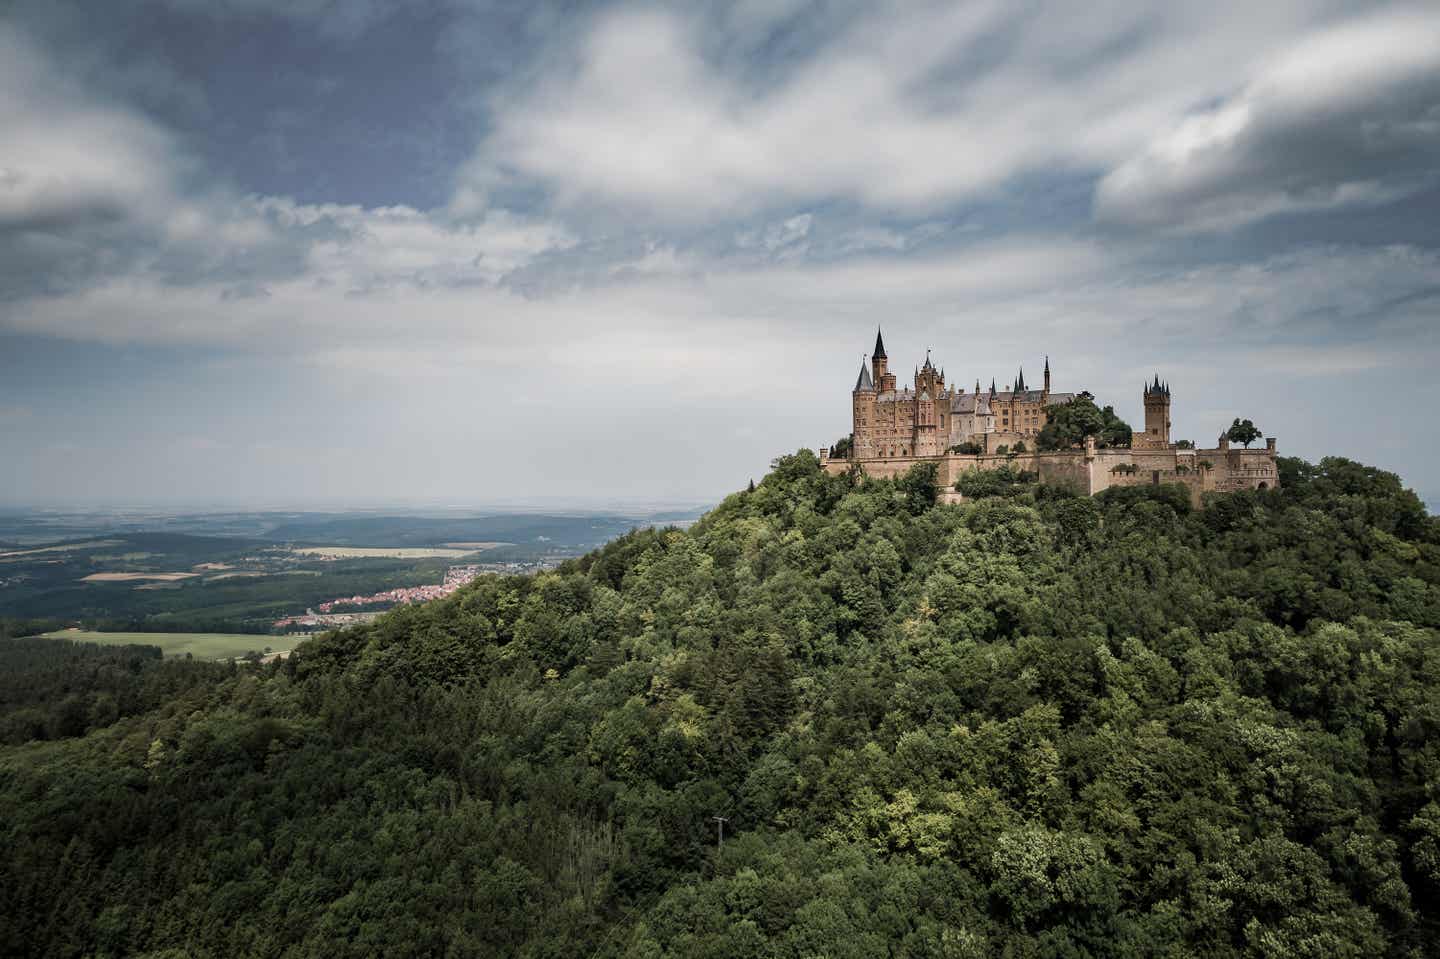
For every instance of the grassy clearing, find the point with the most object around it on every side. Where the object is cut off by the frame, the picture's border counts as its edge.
(199, 645)
(380, 552)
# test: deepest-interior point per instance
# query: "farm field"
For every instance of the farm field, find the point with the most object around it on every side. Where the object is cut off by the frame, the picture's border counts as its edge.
(199, 645)
(380, 552)
(129, 577)
(61, 548)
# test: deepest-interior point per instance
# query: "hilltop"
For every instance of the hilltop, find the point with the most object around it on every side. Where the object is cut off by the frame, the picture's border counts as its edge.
(1031, 724)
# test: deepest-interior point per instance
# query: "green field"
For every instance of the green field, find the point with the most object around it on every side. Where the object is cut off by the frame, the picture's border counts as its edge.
(199, 645)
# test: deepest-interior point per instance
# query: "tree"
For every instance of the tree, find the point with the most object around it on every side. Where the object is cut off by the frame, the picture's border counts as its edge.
(1243, 432)
(967, 448)
(1019, 447)
(1070, 423)
(842, 448)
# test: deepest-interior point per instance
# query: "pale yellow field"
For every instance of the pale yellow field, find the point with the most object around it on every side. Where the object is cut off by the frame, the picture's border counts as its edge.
(66, 547)
(475, 546)
(130, 577)
(380, 552)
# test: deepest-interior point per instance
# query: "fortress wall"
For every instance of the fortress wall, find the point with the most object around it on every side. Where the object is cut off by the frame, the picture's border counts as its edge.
(1093, 472)
(1239, 469)
(1067, 468)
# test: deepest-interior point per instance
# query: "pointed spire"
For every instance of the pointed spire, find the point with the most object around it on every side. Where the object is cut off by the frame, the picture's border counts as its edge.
(1047, 364)
(864, 383)
(879, 352)
(1020, 381)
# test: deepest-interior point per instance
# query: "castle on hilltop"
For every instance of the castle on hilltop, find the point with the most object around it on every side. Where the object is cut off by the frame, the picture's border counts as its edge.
(894, 427)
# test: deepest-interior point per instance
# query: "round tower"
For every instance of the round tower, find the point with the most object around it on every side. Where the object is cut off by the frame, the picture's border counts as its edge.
(862, 410)
(1157, 415)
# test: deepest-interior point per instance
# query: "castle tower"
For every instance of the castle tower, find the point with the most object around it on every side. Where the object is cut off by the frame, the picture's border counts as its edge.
(927, 441)
(1157, 416)
(883, 378)
(1047, 376)
(862, 409)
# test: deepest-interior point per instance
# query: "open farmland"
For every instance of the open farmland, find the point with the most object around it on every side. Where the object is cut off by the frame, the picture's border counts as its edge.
(129, 577)
(380, 552)
(61, 548)
(199, 645)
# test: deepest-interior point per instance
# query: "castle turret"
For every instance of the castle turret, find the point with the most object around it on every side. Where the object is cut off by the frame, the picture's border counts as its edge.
(1047, 375)
(1157, 417)
(884, 380)
(927, 442)
(862, 409)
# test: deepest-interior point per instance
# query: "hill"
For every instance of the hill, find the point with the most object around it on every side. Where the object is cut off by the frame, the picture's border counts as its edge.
(1030, 725)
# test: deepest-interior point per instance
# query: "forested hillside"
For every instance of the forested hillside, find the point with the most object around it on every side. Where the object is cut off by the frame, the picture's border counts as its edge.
(1030, 725)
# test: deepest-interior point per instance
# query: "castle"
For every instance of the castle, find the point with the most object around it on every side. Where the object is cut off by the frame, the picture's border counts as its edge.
(893, 428)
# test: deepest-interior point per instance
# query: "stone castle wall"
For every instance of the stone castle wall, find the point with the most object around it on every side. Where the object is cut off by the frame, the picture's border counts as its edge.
(1091, 471)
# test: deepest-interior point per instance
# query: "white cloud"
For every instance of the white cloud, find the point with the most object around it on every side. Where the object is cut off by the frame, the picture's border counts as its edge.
(68, 158)
(912, 106)
(1346, 116)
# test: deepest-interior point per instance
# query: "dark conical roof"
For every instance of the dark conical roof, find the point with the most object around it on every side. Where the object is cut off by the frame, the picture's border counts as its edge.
(879, 353)
(1020, 381)
(864, 382)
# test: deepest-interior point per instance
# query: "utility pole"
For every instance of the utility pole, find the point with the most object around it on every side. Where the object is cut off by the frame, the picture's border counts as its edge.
(720, 822)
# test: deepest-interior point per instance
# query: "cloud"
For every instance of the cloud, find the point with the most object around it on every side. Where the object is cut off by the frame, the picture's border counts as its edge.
(1347, 116)
(898, 107)
(94, 193)
(70, 161)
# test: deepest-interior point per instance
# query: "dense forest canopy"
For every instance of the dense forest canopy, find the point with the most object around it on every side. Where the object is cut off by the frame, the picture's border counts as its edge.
(1033, 724)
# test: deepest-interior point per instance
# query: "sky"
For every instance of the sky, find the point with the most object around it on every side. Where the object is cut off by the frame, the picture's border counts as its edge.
(469, 252)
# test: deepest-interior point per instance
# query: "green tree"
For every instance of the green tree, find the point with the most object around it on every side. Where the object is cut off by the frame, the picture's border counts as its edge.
(1070, 423)
(1243, 432)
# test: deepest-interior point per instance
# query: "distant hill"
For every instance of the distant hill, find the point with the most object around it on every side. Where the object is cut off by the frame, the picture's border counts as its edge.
(1031, 724)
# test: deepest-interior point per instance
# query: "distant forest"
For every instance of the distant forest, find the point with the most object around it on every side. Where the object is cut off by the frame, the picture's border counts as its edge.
(1031, 725)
